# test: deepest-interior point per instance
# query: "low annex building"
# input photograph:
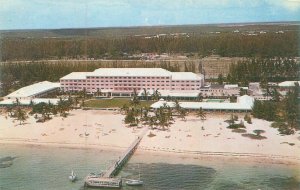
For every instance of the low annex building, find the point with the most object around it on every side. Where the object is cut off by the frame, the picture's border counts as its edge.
(32, 94)
(36, 90)
(123, 81)
(244, 103)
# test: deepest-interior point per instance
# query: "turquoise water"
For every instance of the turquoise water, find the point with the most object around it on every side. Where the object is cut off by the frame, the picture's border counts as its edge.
(215, 100)
(48, 168)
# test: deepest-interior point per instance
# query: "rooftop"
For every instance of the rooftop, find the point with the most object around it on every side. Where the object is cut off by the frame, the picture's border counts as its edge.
(134, 72)
(33, 89)
(76, 75)
(243, 103)
(288, 83)
(186, 76)
(130, 72)
(171, 93)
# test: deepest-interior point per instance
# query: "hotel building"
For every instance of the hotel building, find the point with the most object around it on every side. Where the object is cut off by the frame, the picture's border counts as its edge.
(123, 81)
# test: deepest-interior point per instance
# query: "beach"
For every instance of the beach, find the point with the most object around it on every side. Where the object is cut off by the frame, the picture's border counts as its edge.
(106, 130)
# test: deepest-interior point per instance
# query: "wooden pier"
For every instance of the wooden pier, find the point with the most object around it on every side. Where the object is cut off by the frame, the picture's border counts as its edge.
(107, 179)
(116, 166)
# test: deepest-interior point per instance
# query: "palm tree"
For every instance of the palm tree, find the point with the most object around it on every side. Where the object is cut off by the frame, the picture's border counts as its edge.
(182, 114)
(20, 115)
(145, 94)
(151, 122)
(177, 107)
(156, 95)
(135, 100)
(82, 95)
(125, 109)
(17, 102)
(200, 113)
(9, 109)
(99, 93)
(200, 97)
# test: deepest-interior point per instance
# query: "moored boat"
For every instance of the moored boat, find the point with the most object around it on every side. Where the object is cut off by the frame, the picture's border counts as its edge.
(134, 182)
(73, 176)
(93, 180)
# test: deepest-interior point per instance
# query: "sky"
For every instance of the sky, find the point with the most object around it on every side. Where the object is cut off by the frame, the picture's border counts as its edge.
(50, 14)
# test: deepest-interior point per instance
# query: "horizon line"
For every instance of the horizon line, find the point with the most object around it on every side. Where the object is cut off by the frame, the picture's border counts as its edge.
(166, 25)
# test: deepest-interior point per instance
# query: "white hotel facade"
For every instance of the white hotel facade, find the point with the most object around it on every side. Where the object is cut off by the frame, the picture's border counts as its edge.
(123, 81)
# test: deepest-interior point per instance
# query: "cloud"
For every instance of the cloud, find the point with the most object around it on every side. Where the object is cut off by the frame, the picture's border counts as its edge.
(293, 5)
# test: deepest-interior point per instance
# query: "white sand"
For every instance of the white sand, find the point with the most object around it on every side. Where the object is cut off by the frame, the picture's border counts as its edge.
(106, 130)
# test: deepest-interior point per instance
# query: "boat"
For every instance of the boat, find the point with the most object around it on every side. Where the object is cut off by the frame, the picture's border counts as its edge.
(134, 182)
(73, 176)
(98, 180)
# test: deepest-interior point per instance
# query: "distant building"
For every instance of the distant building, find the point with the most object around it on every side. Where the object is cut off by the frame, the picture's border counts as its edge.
(244, 103)
(36, 90)
(32, 94)
(285, 86)
(257, 92)
(170, 94)
(215, 90)
(288, 84)
(123, 81)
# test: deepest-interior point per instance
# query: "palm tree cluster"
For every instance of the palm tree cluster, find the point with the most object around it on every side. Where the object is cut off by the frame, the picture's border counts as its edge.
(155, 96)
(16, 111)
(263, 70)
(161, 118)
(284, 111)
(48, 109)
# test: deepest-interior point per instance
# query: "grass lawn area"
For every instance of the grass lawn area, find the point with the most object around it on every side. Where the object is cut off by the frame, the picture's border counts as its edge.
(113, 103)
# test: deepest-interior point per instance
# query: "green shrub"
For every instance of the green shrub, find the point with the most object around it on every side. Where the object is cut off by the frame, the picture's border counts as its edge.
(285, 130)
(235, 126)
(239, 130)
(254, 136)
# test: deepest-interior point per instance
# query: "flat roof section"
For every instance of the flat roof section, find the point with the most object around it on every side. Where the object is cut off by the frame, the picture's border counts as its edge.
(33, 89)
(131, 72)
(186, 76)
(75, 76)
(243, 103)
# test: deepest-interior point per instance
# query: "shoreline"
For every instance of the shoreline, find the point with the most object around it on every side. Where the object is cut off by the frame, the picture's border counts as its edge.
(105, 130)
(239, 156)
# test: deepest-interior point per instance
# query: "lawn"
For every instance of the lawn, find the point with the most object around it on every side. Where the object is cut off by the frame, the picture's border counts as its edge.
(113, 103)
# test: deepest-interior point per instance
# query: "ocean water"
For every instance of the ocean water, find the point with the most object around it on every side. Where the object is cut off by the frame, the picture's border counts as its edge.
(38, 168)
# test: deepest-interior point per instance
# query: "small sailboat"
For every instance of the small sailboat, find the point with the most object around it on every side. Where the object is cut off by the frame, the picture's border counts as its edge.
(73, 176)
(135, 182)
